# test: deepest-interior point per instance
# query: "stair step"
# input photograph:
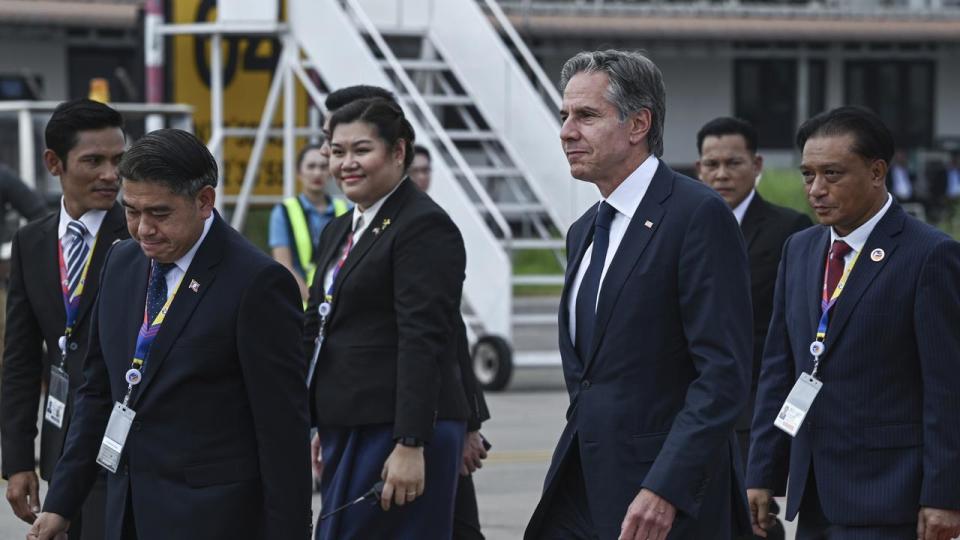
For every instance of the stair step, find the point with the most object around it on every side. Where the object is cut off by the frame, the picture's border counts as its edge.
(515, 209)
(538, 279)
(415, 64)
(534, 243)
(539, 319)
(470, 136)
(450, 100)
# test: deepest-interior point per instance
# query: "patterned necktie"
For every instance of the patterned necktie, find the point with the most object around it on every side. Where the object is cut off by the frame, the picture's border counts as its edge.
(835, 265)
(590, 286)
(76, 250)
(157, 289)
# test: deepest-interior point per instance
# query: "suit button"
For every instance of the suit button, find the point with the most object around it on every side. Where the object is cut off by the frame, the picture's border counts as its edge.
(585, 385)
(74, 346)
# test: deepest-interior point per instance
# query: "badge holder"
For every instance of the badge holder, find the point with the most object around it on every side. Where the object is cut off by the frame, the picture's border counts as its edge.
(118, 427)
(324, 311)
(59, 389)
(798, 403)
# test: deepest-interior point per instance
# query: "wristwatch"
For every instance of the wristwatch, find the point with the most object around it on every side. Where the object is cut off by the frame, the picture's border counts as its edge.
(412, 442)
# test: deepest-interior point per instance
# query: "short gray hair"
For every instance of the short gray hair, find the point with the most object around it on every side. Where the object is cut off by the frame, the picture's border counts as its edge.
(635, 84)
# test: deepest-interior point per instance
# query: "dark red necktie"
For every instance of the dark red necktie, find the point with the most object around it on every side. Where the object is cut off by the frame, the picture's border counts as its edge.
(835, 264)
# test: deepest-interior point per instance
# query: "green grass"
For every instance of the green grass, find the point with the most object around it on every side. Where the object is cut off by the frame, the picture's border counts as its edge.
(537, 262)
(785, 187)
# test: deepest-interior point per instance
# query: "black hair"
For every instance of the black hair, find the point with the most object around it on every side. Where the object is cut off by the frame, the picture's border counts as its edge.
(422, 150)
(726, 125)
(344, 96)
(303, 152)
(172, 157)
(72, 117)
(385, 116)
(872, 139)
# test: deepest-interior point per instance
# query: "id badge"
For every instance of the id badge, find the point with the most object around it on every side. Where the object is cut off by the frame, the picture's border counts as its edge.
(798, 404)
(115, 437)
(57, 397)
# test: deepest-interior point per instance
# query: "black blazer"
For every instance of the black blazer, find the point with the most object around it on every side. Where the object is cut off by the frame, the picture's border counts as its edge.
(36, 317)
(219, 445)
(765, 228)
(391, 349)
(654, 403)
(883, 435)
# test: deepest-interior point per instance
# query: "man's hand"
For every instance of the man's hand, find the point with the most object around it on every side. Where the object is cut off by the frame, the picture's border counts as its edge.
(473, 453)
(648, 517)
(403, 476)
(23, 494)
(49, 526)
(316, 456)
(937, 524)
(760, 516)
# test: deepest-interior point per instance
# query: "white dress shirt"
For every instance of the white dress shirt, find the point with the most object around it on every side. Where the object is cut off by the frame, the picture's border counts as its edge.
(741, 209)
(858, 237)
(175, 274)
(625, 200)
(92, 220)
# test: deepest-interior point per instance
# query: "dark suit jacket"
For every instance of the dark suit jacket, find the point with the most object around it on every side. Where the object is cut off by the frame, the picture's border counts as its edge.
(883, 435)
(391, 349)
(218, 448)
(479, 413)
(654, 404)
(36, 317)
(765, 228)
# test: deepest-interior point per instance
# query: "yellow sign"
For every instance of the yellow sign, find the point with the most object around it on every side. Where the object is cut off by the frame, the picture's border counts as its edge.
(248, 67)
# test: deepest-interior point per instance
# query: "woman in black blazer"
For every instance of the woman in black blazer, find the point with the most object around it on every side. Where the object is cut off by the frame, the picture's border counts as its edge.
(387, 400)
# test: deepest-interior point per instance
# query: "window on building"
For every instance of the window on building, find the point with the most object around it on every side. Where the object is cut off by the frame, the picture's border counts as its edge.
(900, 91)
(765, 94)
(816, 87)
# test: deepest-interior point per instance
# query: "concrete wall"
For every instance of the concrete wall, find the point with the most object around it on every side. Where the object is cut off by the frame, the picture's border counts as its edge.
(46, 58)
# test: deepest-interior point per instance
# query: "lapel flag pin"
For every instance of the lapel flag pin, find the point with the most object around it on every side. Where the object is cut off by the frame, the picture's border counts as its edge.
(376, 231)
(648, 224)
(194, 286)
(877, 255)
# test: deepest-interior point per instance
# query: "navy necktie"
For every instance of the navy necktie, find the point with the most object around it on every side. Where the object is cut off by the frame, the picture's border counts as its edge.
(76, 251)
(590, 286)
(157, 289)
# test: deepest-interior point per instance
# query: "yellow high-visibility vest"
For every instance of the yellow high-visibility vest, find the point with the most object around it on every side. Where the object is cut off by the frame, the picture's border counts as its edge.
(302, 240)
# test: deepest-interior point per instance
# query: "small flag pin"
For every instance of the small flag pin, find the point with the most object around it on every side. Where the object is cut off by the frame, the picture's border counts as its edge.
(648, 224)
(194, 286)
(877, 255)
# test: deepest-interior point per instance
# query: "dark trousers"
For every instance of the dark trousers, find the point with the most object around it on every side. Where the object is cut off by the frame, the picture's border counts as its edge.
(568, 516)
(814, 525)
(129, 523)
(466, 516)
(90, 521)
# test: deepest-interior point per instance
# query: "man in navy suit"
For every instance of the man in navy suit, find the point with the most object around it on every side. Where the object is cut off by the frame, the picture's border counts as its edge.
(655, 328)
(197, 333)
(876, 295)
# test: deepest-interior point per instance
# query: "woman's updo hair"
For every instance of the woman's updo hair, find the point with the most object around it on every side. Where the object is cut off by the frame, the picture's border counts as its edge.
(385, 116)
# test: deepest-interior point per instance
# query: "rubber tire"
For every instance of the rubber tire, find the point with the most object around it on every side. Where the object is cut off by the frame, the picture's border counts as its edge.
(492, 361)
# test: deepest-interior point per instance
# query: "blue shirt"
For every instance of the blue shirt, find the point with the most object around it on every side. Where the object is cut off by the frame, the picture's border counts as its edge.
(280, 235)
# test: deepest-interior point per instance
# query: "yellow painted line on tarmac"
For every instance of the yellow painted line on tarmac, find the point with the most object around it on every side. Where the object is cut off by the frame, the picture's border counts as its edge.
(519, 456)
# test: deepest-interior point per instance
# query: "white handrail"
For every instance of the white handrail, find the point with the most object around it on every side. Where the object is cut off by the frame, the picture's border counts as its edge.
(528, 58)
(438, 129)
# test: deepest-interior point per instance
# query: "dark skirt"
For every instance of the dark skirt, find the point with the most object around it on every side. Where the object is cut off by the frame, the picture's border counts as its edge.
(353, 461)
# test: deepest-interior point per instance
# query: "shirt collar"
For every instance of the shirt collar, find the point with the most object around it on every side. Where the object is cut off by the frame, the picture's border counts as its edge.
(741, 208)
(626, 198)
(92, 220)
(311, 208)
(183, 263)
(858, 237)
(370, 212)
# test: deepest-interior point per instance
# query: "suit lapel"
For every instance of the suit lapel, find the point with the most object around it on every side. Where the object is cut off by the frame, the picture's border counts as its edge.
(203, 271)
(816, 257)
(632, 246)
(866, 269)
(332, 250)
(373, 231)
(111, 230)
(573, 266)
(753, 219)
(49, 270)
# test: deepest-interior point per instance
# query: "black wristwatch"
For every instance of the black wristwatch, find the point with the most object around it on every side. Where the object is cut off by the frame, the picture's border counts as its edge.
(412, 442)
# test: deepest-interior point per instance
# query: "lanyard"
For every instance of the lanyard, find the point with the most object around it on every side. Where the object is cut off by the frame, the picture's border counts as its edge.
(71, 303)
(146, 335)
(826, 305)
(325, 308)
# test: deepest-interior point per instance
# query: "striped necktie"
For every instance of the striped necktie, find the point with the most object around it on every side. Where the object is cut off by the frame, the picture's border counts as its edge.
(77, 250)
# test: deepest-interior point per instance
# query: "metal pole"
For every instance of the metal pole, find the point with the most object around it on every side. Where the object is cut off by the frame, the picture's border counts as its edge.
(216, 111)
(28, 172)
(289, 116)
(153, 59)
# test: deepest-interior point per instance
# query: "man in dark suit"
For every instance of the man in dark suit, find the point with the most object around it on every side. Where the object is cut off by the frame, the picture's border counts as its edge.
(655, 328)
(864, 325)
(84, 142)
(197, 337)
(729, 163)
